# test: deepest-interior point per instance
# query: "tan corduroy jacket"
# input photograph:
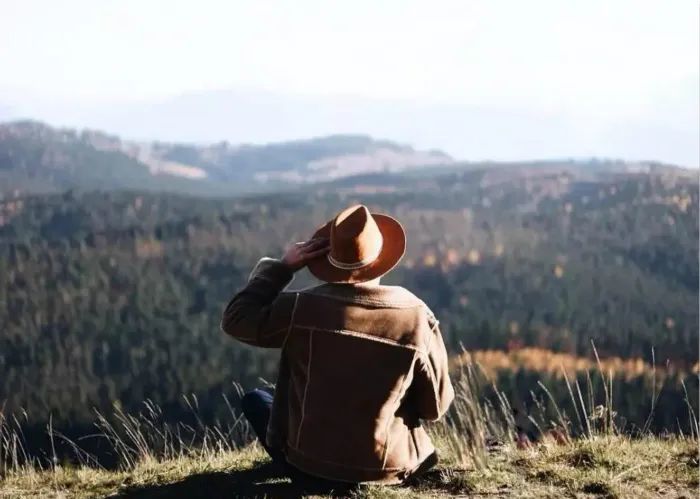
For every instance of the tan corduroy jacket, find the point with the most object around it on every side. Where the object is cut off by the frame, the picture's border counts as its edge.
(360, 367)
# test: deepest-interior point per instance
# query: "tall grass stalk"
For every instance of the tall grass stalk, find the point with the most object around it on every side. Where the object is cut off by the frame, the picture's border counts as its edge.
(472, 419)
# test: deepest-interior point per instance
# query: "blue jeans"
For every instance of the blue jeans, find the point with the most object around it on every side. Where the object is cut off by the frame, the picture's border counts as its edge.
(256, 407)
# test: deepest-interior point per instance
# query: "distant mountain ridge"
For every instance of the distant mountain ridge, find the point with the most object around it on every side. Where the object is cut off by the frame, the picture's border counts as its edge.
(38, 158)
(35, 157)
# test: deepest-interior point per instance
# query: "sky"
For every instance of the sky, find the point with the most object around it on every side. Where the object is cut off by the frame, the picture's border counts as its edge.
(604, 78)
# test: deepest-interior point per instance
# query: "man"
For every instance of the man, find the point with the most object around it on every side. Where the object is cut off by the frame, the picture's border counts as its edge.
(361, 364)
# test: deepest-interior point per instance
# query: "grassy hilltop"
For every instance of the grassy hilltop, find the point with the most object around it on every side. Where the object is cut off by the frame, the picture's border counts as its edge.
(602, 467)
(483, 452)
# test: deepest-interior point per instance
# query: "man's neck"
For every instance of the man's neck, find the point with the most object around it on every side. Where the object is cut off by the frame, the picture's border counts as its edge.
(373, 282)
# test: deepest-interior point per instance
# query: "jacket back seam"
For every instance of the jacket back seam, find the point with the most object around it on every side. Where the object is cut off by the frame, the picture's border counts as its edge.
(364, 336)
(306, 389)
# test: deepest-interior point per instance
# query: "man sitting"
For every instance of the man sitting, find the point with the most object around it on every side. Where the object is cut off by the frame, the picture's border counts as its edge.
(361, 364)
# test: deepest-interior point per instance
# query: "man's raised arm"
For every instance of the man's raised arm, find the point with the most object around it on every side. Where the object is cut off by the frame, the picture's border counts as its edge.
(261, 314)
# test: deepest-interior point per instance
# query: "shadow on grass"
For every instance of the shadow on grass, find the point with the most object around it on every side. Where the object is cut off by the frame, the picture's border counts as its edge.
(266, 480)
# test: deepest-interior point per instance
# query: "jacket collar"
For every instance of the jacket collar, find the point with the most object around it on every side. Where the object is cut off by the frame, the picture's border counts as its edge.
(381, 296)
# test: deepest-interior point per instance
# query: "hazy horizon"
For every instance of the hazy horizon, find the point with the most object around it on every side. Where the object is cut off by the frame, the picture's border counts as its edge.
(480, 81)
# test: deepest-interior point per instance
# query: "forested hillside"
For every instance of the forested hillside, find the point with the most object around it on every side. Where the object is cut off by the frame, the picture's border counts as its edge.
(116, 296)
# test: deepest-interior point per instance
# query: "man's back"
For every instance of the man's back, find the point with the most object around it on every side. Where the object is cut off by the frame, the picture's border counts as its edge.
(360, 366)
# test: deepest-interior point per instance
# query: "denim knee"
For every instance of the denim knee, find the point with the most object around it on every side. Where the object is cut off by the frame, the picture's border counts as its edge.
(253, 401)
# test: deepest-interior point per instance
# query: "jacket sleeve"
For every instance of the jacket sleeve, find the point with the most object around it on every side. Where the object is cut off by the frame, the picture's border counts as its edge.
(260, 314)
(431, 384)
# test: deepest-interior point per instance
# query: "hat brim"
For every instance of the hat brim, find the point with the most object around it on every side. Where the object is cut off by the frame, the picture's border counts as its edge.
(393, 249)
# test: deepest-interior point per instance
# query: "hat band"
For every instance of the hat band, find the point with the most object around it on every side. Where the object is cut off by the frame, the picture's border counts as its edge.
(355, 265)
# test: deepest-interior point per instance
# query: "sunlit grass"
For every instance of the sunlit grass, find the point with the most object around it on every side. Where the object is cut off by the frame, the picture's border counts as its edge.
(478, 442)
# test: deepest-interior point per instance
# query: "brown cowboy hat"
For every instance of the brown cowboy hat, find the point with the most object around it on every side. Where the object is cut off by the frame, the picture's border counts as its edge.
(363, 246)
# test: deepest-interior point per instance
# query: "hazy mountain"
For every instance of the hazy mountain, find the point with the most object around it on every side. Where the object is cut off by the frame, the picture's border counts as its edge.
(37, 158)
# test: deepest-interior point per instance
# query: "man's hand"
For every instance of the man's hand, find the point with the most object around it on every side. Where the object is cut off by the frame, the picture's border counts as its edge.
(298, 255)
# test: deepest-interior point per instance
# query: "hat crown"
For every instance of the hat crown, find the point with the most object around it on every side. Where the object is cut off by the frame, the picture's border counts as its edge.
(356, 240)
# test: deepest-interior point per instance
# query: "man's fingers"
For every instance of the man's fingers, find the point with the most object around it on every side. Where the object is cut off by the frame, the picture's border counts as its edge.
(310, 252)
(315, 244)
(316, 253)
(319, 240)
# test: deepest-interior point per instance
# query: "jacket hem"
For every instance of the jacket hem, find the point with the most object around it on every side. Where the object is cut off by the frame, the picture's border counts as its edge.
(350, 474)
